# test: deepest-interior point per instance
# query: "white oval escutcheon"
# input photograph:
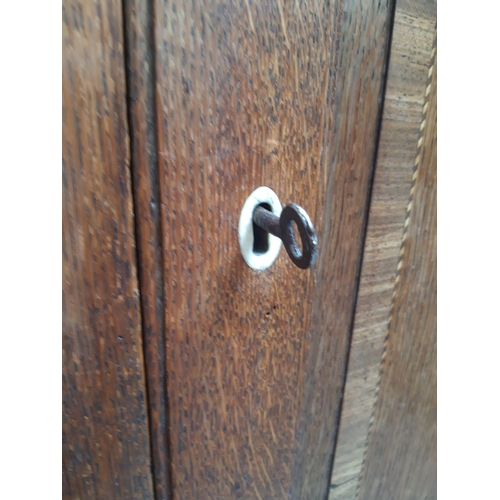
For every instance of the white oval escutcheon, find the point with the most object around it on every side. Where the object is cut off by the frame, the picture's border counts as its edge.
(257, 260)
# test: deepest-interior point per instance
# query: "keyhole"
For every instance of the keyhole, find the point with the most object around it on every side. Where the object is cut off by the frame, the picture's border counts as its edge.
(260, 236)
(258, 248)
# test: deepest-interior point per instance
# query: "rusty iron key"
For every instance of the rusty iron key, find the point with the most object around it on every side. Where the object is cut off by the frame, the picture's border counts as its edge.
(282, 228)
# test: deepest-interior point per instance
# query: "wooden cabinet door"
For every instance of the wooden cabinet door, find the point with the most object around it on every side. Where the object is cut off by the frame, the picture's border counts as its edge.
(187, 374)
(245, 369)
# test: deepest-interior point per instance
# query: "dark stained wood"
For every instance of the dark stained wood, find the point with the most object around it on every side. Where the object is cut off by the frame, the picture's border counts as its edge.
(411, 47)
(287, 96)
(400, 461)
(105, 430)
(363, 47)
(139, 37)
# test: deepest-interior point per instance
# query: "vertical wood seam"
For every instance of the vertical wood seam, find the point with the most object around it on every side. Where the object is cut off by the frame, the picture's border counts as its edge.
(106, 447)
(406, 225)
(161, 229)
(157, 472)
(137, 252)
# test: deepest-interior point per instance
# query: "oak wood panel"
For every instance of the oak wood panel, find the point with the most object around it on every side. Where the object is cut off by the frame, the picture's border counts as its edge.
(105, 432)
(250, 94)
(361, 69)
(410, 57)
(243, 90)
(401, 452)
(140, 70)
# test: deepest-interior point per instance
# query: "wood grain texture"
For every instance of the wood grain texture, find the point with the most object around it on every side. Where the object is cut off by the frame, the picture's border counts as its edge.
(361, 68)
(410, 57)
(105, 432)
(140, 69)
(401, 460)
(250, 94)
